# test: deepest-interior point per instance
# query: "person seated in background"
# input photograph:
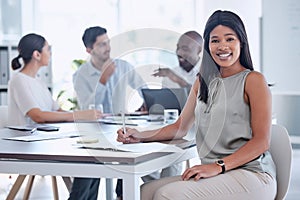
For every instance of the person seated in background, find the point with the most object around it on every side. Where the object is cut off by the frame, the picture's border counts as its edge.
(102, 80)
(231, 106)
(29, 99)
(189, 47)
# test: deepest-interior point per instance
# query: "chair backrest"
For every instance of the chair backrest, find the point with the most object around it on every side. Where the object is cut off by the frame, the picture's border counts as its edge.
(281, 151)
(3, 115)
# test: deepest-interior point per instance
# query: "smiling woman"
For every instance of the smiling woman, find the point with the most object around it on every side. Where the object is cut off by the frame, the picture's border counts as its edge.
(230, 107)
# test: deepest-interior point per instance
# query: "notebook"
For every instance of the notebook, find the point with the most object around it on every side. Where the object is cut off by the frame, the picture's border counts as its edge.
(156, 100)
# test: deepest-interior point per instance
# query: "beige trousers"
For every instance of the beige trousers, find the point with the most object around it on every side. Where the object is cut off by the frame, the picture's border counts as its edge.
(233, 185)
(173, 170)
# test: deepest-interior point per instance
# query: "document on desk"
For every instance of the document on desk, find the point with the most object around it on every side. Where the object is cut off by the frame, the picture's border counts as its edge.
(134, 147)
(115, 120)
(111, 122)
(38, 136)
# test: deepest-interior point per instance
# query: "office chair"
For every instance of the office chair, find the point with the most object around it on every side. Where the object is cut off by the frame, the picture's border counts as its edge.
(18, 183)
(281, 151)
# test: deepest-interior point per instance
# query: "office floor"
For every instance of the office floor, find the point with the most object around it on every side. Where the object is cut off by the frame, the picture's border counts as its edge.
(42, 189)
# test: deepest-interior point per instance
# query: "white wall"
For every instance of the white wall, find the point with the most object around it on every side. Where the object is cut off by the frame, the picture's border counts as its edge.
(281, 44)
(281, 55)
(63, 23)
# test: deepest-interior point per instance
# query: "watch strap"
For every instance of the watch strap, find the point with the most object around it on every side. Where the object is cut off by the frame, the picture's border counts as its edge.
(222, 165)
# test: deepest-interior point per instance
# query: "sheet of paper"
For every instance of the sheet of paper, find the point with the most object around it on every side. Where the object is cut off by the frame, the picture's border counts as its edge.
(134, 147)
(117, 122)
(37, 136)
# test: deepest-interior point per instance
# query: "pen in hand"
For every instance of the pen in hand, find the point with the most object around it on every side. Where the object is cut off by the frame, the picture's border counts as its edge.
(123, 122)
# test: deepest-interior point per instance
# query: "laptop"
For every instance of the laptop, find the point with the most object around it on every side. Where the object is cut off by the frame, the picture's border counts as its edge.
(156, 100)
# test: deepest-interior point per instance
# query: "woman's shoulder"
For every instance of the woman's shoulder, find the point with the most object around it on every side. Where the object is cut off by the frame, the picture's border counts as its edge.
(21, 81)
(255, 76)
(18, 77)
(256, 80)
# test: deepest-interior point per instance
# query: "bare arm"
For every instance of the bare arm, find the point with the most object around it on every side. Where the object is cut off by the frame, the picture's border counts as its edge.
(173, 131)
(166, 72)
(61, 116)
(258, 96)
(107, 71)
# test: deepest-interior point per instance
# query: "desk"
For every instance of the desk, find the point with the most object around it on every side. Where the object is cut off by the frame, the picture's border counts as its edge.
(61, 158)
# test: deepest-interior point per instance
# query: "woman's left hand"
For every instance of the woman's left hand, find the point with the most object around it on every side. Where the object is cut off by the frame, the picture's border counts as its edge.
(201, 171)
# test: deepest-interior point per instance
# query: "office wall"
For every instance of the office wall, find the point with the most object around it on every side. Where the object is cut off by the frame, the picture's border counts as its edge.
(286, 108)
(10, 27)
(281, 42)
(63, 27)
(280, 56)
(250, 12)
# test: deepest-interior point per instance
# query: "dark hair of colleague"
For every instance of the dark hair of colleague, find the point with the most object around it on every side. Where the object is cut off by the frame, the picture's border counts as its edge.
(27, 45)
(90, 35)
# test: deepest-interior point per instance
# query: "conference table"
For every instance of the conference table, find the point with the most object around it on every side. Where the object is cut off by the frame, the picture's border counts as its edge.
(76, 150)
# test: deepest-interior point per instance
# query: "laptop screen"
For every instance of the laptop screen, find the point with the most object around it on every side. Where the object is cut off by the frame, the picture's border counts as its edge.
(156, 100)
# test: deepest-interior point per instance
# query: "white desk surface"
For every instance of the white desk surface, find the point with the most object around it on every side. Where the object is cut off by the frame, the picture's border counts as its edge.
(61, 157)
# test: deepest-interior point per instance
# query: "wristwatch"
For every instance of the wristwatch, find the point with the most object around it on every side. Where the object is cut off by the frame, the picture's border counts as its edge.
(221, 164)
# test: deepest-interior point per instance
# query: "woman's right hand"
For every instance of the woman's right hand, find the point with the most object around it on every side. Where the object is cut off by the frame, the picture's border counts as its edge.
(129, 137)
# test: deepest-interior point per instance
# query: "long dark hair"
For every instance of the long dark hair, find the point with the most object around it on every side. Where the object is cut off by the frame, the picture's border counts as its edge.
(27, 45)
(233, 21)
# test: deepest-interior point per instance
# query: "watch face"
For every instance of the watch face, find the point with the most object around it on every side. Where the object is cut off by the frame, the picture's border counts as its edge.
(220, 162)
